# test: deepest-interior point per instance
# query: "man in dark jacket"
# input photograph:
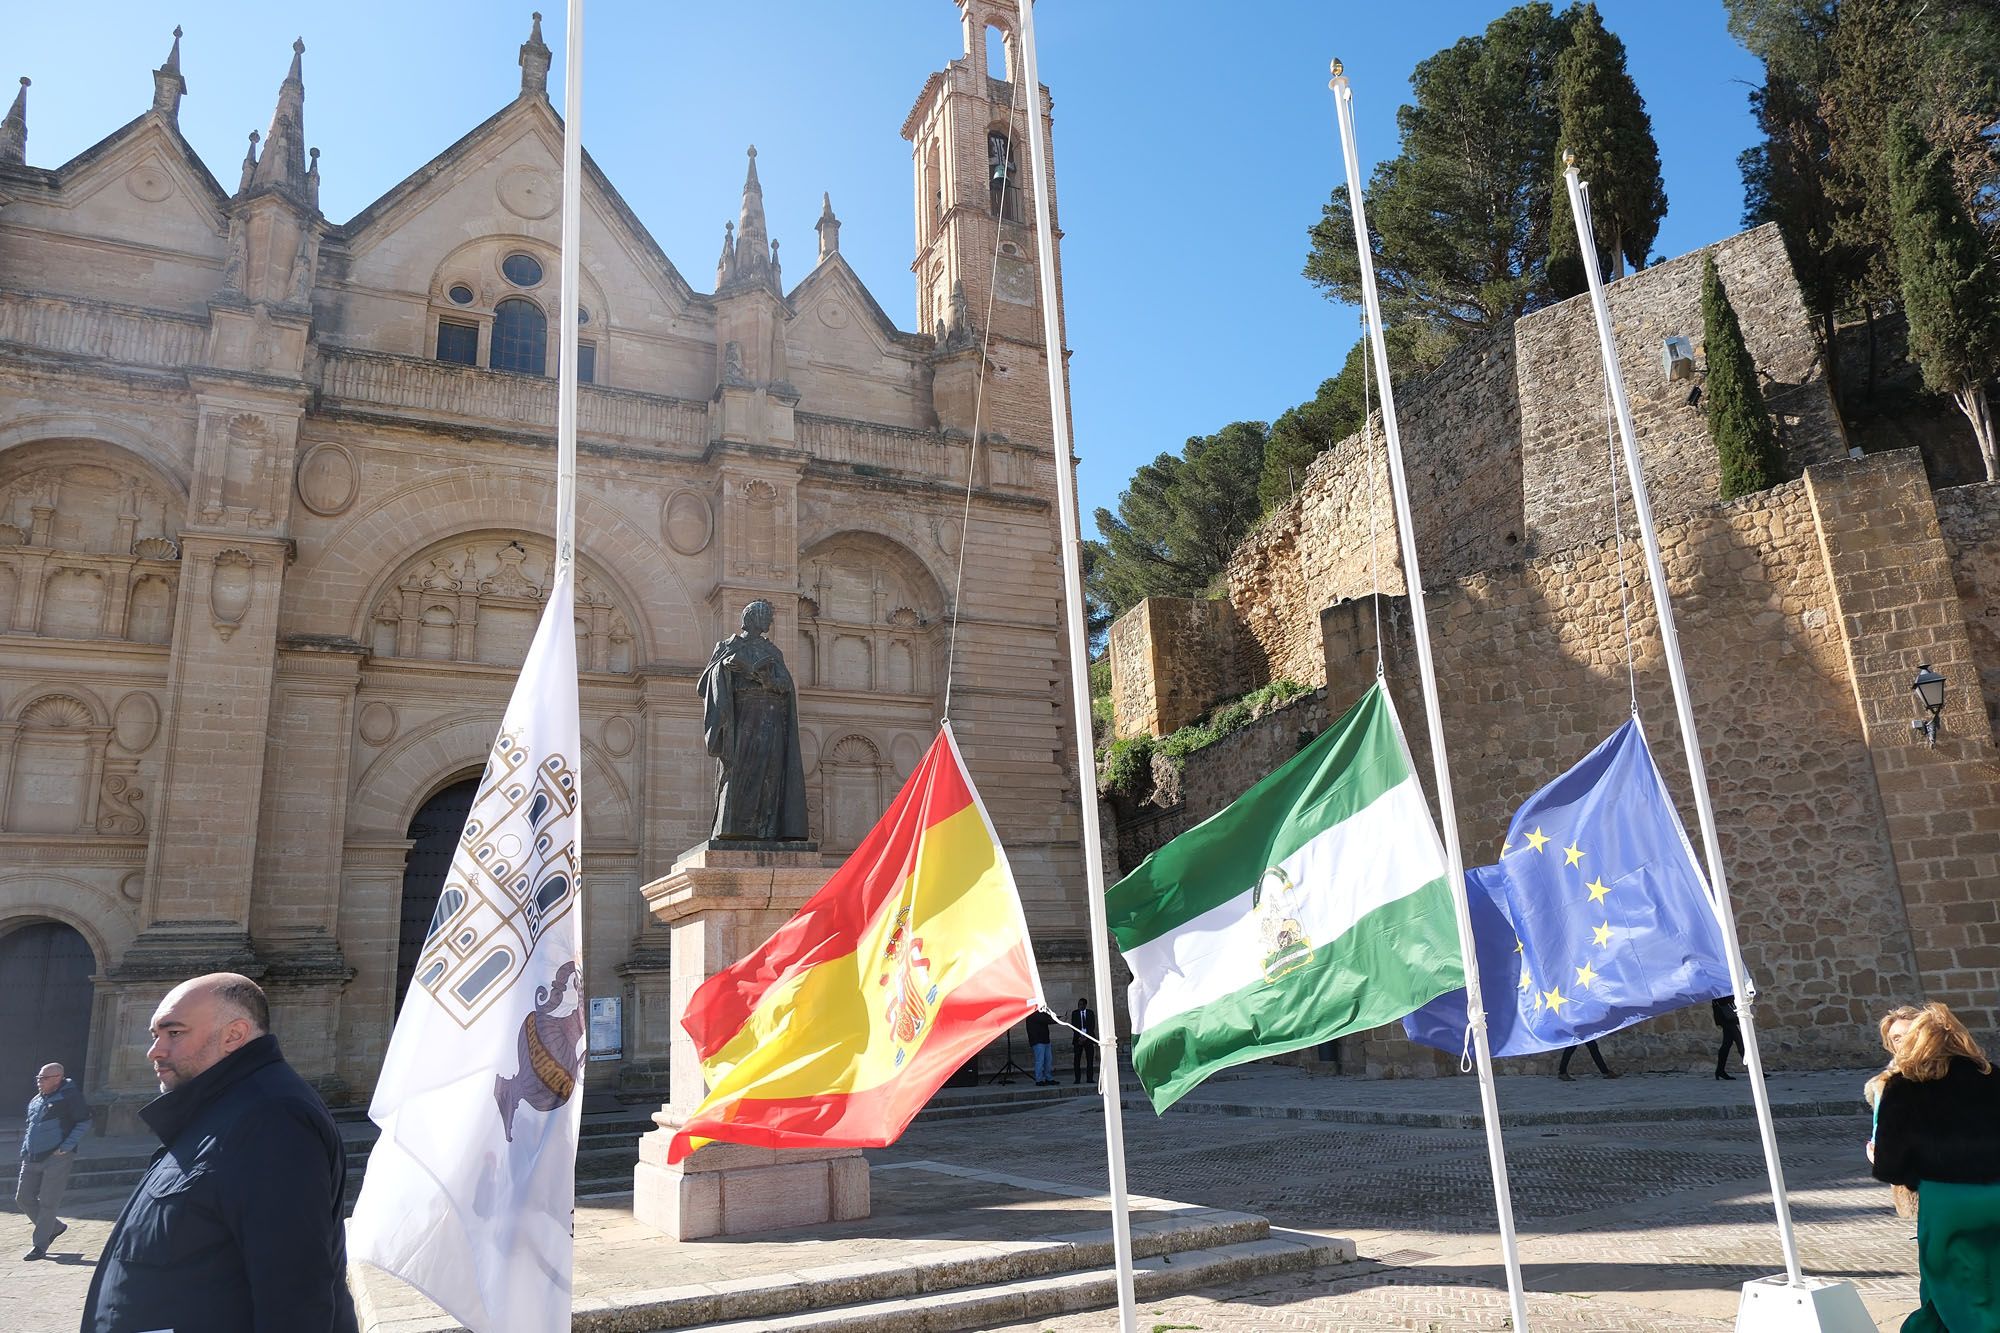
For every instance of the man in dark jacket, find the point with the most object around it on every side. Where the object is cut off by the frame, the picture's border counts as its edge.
(236, 1228)
(58, 1118)
(1083, 1042)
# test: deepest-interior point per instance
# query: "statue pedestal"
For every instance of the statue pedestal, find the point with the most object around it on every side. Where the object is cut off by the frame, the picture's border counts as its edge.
(721, 901)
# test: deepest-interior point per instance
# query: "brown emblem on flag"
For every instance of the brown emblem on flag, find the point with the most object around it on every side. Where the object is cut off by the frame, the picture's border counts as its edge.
(550, 1054)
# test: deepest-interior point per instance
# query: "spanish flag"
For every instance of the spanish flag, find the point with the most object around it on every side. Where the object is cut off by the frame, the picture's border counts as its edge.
(914, 956)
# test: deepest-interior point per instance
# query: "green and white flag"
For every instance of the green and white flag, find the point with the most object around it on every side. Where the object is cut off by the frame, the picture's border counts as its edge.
(1314, 906)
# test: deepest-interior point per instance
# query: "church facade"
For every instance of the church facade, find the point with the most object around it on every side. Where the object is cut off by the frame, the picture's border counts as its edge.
(275, 496)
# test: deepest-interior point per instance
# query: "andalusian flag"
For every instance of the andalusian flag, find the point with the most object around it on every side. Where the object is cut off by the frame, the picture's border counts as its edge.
(912, 958)
(1314, 906)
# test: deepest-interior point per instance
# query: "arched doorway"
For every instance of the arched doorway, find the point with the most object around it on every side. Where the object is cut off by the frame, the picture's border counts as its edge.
(45, 999)
(436, 829)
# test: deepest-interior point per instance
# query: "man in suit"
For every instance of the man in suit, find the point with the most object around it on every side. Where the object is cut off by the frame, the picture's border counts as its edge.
(1083, 1042)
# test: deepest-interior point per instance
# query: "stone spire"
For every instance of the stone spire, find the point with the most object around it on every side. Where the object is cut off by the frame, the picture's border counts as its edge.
(755, 257)
(14, 130)
(282, 164)
(725, 266)
(249, 163)
(168, 85)
(828, 228)
(535, 62)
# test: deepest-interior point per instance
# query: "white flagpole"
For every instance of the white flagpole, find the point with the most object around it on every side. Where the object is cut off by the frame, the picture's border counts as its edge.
(1079, 656)
(1343, 101)
(572, 219)
(1656, 573)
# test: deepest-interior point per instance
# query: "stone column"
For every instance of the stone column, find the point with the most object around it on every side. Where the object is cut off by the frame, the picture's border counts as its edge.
(719, 906)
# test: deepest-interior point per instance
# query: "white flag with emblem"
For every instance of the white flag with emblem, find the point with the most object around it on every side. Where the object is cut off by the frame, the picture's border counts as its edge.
(469, 1191)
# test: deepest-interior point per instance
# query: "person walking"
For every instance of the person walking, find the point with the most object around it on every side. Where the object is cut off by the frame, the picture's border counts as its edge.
(236, 1227)
(1041, 1031)
(1083, 1042)
(58, 1118)
(1724, 1009)
(1596, 1058)
(1937, 1131)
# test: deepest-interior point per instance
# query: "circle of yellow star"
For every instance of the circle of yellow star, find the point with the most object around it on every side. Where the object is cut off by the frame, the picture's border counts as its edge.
(1598, 888)
(1536, 839)
(1556, 999)
(1601, 934)
(1585, 975)
(1527, 980)
(1571, 855)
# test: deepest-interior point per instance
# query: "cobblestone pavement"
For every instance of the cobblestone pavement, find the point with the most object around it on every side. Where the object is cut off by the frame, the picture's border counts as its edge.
(1624, 1224)
(1627, 1226)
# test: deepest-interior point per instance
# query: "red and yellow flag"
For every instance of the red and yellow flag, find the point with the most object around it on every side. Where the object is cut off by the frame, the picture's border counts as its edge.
(914, 956)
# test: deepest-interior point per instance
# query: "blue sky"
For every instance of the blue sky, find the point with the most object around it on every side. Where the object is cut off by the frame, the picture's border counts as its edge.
(1194, 145)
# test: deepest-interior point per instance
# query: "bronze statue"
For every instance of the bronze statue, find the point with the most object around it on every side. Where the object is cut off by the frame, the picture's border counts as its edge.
(750, 719)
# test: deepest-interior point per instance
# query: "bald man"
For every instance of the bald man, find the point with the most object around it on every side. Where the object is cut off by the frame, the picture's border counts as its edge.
(236, 1228)
(58, 1118)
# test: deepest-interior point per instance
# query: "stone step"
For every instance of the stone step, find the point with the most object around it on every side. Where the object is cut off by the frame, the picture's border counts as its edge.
(1021, 1299)
(1179, 1245)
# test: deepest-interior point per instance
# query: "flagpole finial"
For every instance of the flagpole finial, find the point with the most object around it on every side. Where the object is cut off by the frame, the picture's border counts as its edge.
(1569, 158)
(1334, 68)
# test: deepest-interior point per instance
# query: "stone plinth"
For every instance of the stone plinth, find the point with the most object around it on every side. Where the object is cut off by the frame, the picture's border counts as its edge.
(721, 901)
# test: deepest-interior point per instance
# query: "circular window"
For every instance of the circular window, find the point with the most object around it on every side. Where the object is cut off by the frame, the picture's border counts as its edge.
(583, 314)
(522, 270)
(460, 294)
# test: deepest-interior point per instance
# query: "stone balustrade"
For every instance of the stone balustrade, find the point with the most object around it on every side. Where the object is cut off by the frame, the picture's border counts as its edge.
(358, 379)
(100, 329)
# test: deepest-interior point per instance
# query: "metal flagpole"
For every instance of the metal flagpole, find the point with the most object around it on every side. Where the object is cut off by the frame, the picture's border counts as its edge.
(1656, 573)
(1343, 101)
(1833, 1305)
(572, 217)
(1079, 656)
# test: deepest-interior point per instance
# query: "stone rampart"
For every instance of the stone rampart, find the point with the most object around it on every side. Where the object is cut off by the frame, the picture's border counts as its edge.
(1969, 519)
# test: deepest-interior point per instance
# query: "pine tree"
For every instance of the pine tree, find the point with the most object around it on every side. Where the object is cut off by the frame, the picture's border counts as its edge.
(1738, 423)
(1460, 215)
(1950, 282)
(1605, 126)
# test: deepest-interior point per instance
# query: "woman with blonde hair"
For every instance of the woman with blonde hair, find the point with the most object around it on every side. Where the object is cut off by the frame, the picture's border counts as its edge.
(1937, 1131)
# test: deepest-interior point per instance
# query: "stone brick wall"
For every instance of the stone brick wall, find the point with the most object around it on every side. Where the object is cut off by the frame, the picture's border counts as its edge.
(1892, 575)
(1505, 450)
(1172, 659)
(1565, 415)
(1858, 858)
(1969, 520)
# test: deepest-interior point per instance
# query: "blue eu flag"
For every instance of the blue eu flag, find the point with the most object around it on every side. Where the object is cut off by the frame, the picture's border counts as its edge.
(1596, 917)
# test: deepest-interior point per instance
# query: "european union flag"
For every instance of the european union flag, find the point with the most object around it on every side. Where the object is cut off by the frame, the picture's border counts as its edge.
(1596, 917)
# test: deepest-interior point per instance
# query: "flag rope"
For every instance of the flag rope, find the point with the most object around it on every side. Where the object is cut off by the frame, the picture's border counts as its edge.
(1368, 438)
(1617, 522)
(978, 408)
(1642, 514)
(1343, 101)
(1069, 521)
(572, 217)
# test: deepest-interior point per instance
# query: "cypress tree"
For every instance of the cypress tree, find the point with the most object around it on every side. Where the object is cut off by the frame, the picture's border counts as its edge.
(1951, 289)
(1745, 440)
(1604, 124)
(1565, 274)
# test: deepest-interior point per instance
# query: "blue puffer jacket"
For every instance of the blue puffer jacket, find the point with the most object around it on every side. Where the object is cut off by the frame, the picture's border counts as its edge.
(236, 1228)
(55, 1122)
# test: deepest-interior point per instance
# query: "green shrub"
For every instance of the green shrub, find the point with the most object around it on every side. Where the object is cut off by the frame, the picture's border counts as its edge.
(1128, 768)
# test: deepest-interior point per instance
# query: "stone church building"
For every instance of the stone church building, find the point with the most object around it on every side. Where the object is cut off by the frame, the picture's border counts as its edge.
(275, 493)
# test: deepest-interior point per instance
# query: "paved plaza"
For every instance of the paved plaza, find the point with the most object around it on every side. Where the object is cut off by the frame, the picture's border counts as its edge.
(1626, 1222)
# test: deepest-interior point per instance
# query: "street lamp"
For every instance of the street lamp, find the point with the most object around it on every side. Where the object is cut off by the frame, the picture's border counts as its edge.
(1928, 689)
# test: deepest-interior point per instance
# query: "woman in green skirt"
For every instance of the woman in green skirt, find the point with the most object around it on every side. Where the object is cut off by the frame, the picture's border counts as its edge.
(1937, 1131)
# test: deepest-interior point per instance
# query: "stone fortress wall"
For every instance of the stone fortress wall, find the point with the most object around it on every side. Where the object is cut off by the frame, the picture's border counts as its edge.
(1862, 862)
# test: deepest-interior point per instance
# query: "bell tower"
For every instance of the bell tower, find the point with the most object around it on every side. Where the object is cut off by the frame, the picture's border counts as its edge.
(975, 260)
